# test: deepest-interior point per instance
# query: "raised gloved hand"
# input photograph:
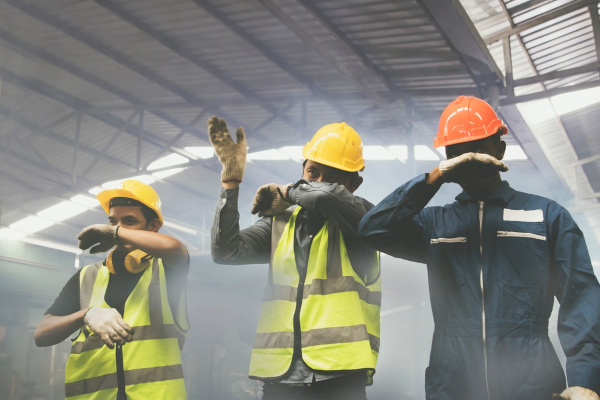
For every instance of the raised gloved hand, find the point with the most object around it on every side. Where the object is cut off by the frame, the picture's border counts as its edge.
(108, 324)
(271, 199)
(470, 167)
(104, 235)
(231, 155)
(576, 393)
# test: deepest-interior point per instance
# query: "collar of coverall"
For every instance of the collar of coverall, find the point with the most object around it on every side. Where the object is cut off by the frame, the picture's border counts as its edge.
(503, 194)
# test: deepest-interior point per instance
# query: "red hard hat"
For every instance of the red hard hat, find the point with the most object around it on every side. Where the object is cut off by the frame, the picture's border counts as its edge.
(465, 119)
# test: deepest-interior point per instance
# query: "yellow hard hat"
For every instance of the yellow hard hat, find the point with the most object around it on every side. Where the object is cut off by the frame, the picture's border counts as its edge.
(135, 190)
(336, 145)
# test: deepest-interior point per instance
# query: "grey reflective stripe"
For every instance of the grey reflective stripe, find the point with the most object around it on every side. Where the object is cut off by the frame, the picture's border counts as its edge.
(274, 340)
(316, 337)
(280, 292)
(148, 332)
(86, 287)
(155, 301)
(323, 287)
(132, 377)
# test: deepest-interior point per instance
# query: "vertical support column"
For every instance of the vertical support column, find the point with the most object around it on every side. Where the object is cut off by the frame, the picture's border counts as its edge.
(508, 71)
(140, 140)
(76, 148)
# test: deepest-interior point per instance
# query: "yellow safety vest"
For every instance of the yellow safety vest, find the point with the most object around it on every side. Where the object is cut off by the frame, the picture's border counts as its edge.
(339, 311)
(151, 362)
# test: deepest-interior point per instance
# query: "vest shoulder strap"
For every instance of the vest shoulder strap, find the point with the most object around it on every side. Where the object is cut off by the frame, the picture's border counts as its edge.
(86, 286)
(277, 227)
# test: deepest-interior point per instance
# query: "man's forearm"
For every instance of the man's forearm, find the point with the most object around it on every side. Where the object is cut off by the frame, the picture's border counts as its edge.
(54, 329)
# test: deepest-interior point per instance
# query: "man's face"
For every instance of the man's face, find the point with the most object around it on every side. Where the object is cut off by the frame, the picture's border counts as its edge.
(490, 145)
(316, 172)
(130, 217)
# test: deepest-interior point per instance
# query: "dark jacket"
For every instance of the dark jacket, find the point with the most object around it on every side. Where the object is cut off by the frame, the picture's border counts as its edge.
(494, 269)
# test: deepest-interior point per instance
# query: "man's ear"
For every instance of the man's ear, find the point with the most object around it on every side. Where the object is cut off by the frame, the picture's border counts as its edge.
(501, 149)
(154, 225)
(355, 184)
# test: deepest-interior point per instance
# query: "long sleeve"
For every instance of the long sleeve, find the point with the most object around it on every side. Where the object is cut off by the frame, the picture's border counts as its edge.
(578, 292)
(229, 245)
(393, 226)
(345, 210)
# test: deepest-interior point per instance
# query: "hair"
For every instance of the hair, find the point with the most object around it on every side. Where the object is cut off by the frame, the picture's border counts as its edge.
(148, 213)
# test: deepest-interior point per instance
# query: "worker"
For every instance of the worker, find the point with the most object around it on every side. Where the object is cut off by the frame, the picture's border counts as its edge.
(318, 331)
(496, 258)
(129, 309)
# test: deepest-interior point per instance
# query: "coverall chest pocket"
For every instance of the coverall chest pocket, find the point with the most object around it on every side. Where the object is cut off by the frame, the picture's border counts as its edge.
(449, 253)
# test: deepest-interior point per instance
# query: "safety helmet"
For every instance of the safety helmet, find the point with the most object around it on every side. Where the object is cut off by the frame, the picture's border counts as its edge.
(135, 190)
(336, 145)
(465, 119)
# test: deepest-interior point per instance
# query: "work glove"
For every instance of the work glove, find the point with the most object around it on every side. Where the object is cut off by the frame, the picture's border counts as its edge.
(271, 199)
(104, 235)
(469, 167)
(108, 324)
(576, 393)
(231, 155)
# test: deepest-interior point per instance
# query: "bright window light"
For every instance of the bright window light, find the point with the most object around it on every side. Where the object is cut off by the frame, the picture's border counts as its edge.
(567, 102)
(535, 112)
(31, 224)
(514, 152)
(11, 234)
(166, 173)
(442, 151)
(53, 245)
(423, 152)
(95, 190)
(179, 227)
(147, 179)
(168, 161)
(293, 152)
(271, 155)
(377, 153)
(61, 211)
(85, 200)
(399, 151)
(201, 152)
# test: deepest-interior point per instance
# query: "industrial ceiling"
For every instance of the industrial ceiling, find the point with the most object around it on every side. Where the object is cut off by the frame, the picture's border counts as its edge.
(99, 91)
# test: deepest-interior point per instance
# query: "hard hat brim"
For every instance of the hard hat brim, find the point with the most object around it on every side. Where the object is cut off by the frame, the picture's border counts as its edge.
(105, 196)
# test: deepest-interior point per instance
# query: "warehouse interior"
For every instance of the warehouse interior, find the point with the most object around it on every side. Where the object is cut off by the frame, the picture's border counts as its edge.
(95, 92)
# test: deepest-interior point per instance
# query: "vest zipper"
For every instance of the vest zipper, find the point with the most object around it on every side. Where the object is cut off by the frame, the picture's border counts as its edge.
(121, 395)
(485, 364)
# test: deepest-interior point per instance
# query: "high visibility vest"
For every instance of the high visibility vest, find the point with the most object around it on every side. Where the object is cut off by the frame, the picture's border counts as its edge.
(339, 310)
(151, 363)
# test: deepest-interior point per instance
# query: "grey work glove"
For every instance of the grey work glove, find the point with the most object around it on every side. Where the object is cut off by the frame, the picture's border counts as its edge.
(470, 167)
(104, 235)
(231, 155)
(576, 393)
(271, 199)
(109, 325)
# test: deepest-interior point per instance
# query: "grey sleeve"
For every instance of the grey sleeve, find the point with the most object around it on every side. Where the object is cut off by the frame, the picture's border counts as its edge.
(344, 209)
(229, 244)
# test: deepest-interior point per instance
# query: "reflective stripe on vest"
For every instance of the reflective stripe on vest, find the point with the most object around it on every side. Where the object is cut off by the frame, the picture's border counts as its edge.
(339, 314)
(151, 361)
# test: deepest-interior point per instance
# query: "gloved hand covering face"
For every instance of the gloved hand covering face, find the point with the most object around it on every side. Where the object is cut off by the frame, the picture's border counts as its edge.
(231, 155)
(104, 235)
(469, 167)
(576, 393)
(108, 324)
(269, 200)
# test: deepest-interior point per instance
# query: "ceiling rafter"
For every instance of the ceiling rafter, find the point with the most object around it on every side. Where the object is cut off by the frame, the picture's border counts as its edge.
(549, 16)
(340, 67)
(264, 50)
(173, 46)
(98, 46)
